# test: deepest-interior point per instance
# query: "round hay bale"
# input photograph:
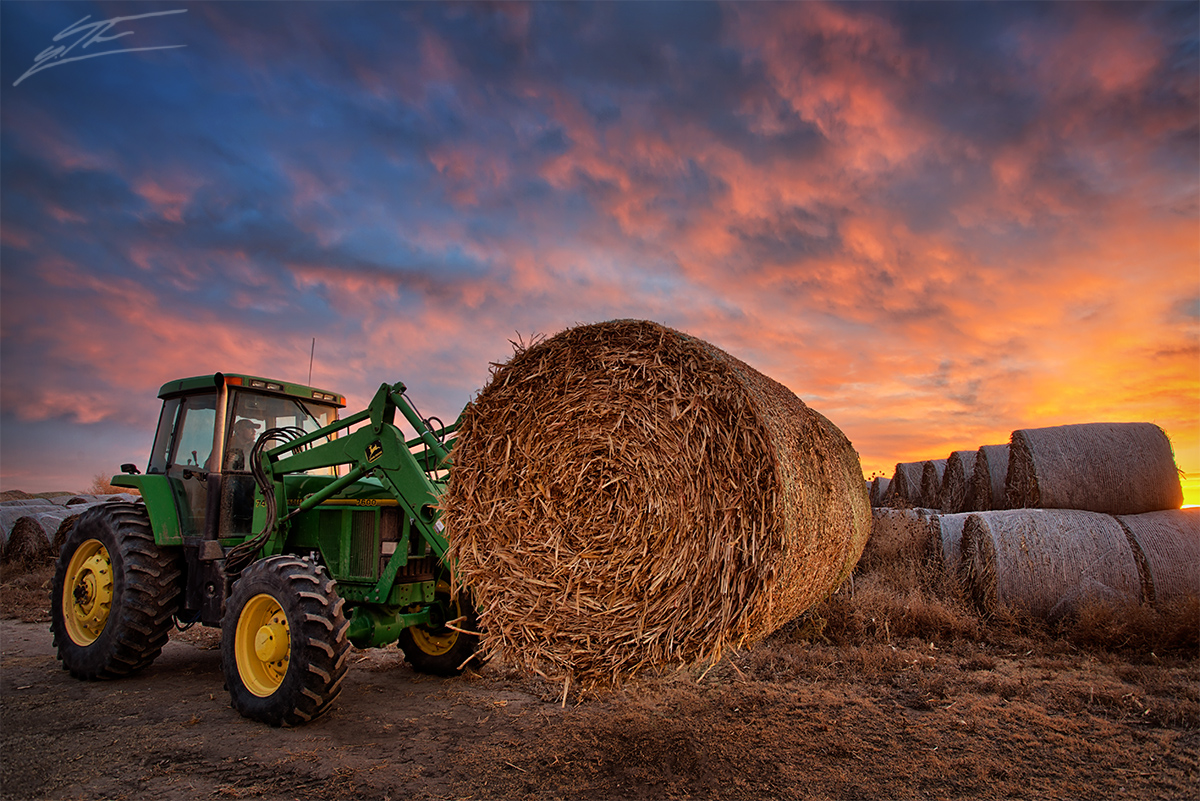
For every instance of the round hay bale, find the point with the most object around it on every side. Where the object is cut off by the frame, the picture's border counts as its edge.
(1116, 468)
(9, 515)
(931, 483)
(879, 490)
(625, 497)
(60, 533)
(27, 546)
(1169, 543)
(1046, 562)
(905, 486)
(956, 482)
(988, 478)
(945, 543)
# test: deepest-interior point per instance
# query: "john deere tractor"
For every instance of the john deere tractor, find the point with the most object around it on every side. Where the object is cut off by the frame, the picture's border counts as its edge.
(294, 531)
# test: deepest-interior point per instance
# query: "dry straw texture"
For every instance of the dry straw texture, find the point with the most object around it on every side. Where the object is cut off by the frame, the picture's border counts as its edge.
(905, 487)
(931, 483)
(988, 477)
(956, 496)
(27, 544)
(1117, 468)
(1047, 562)
(879, 490)
(627, 497)
(1169, 542)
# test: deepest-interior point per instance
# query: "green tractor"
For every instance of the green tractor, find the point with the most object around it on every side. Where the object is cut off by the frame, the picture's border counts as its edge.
(262, 513)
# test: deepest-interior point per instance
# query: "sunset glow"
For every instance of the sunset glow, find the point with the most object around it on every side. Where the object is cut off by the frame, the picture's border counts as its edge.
(935, 223)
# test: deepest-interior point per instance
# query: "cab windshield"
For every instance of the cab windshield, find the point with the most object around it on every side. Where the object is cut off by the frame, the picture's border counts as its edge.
(251, 414)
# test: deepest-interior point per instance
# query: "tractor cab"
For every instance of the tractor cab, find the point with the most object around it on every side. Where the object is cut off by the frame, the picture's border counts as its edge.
(205, 442)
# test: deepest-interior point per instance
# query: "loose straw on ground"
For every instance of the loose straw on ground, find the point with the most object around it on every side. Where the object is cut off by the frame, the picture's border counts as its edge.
(626, 497)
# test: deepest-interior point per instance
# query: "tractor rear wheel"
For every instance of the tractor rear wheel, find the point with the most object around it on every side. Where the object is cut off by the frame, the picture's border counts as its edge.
(114, 593)
(439, 650)
(283, 641)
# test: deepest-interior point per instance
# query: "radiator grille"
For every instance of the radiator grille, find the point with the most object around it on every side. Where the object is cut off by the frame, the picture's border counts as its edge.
(364, 552)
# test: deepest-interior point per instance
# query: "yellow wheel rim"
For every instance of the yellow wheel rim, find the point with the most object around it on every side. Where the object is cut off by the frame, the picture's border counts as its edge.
(262, 644)
(87, 592)
(441, 641)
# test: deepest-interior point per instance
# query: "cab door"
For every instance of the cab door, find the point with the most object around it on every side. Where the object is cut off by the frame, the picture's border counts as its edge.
(191, 459)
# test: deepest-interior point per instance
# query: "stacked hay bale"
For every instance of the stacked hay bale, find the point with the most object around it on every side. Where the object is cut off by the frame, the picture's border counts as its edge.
(627, 497)
(931, 483)
(955, 495)
(879, 490)
(1117, 468)
(945, 544)
(905, 486)
(1167, 544)
(988, 478)
(1047, 562)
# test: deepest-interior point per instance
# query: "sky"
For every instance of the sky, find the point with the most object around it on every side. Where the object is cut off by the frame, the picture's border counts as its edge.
(935, 223)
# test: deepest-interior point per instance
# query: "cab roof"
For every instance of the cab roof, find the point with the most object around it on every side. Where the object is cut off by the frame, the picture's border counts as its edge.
(270, 386)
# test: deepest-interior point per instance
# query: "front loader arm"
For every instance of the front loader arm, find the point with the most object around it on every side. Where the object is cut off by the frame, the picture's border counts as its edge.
(378, 449)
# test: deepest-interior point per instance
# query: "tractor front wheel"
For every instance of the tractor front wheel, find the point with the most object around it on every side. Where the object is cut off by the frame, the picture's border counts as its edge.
(440, 650)
(283, 641)
(114, 593)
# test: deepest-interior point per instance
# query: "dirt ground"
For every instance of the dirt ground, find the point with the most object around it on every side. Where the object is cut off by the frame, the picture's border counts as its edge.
(796, 717)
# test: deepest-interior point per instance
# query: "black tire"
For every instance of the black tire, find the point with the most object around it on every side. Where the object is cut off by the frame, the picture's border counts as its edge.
(114, 593)
(284, 649)
(437, 650)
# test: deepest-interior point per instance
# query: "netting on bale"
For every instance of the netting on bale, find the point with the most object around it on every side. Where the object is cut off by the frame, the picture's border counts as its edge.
(988, 478)
(1047, 562)
(931, 483)
(956, 496)
(945, 543)
(879, 490)
(627, 497)
(905, 487)
(1116, 468)
(1169, 543)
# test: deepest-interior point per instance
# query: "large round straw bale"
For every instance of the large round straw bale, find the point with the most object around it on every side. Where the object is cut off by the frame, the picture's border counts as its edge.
(905, 486)
(879, 490)
(956, 496)
(945, 543)
(625, 497)
(988, 477)
(9, 515)
(27, 546)
(1169, 543)
(931, 483)
(1047, 562)
(1117, 468)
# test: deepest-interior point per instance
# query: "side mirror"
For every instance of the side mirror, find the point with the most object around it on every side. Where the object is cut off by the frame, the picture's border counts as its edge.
(130, 469)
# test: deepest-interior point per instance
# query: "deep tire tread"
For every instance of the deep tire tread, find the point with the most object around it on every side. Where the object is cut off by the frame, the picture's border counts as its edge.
(318, 661)
(147, 583)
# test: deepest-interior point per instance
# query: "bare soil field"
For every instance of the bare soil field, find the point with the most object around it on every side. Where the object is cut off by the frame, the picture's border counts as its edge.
(884, 691)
